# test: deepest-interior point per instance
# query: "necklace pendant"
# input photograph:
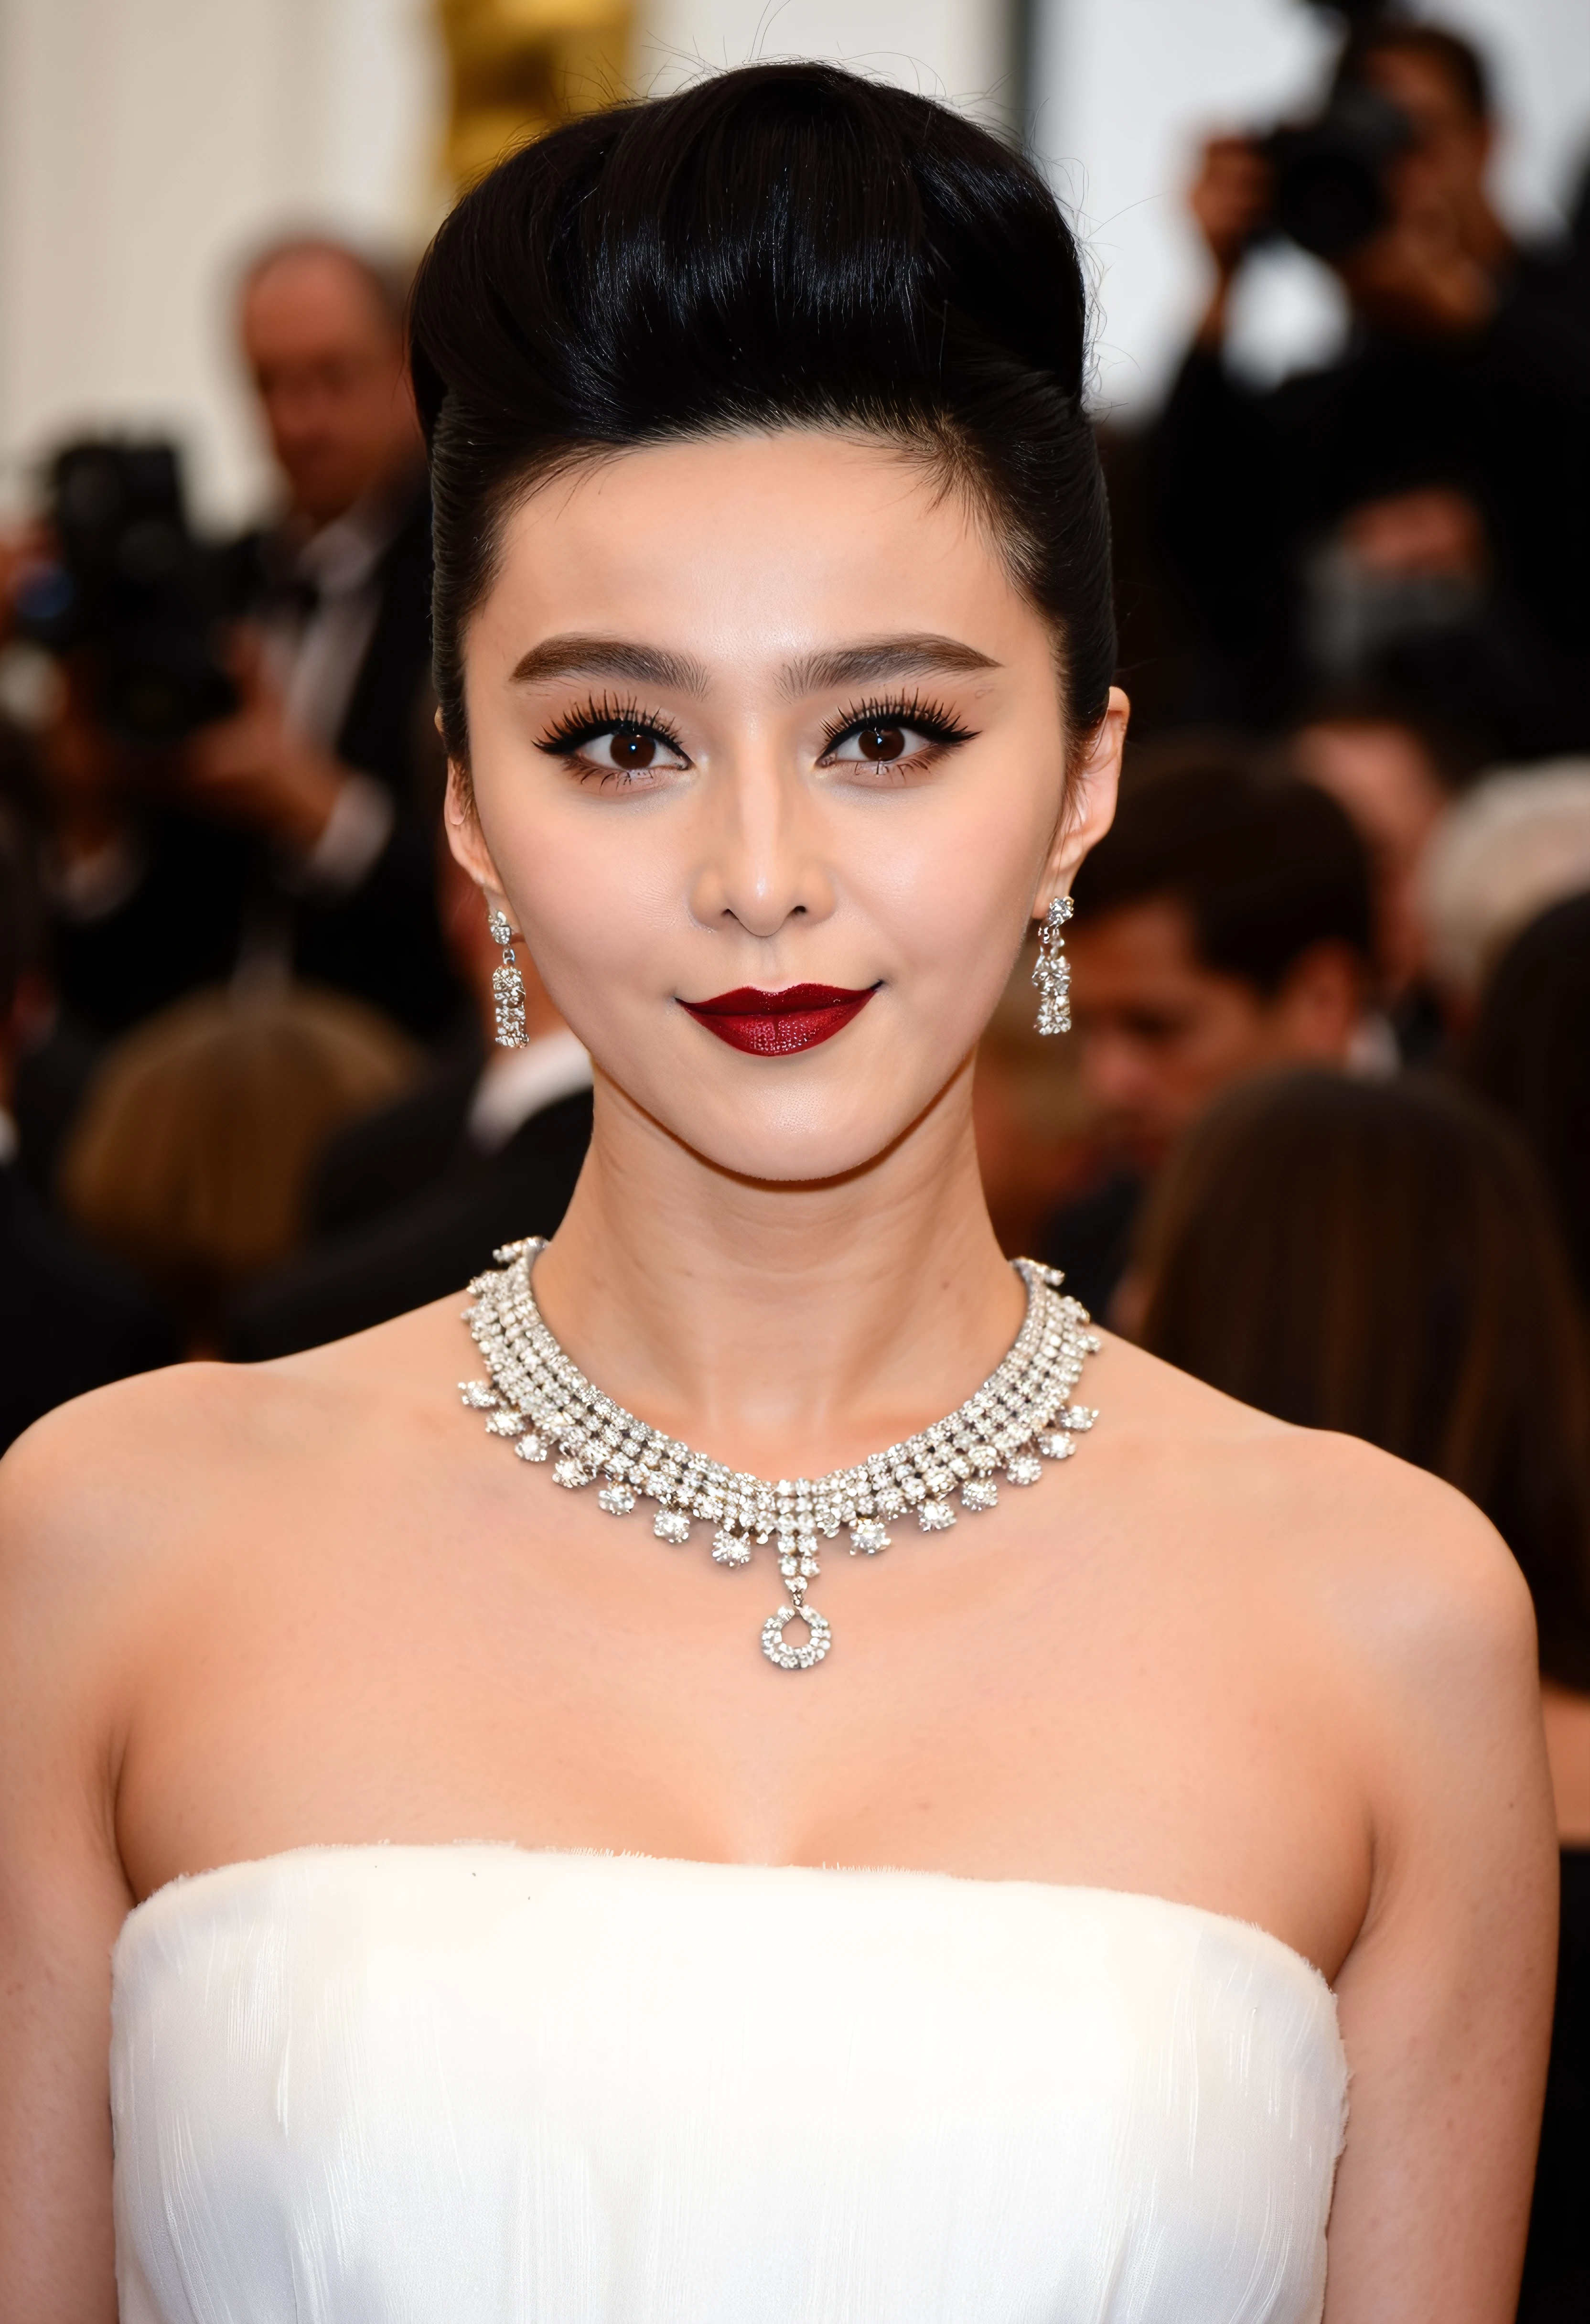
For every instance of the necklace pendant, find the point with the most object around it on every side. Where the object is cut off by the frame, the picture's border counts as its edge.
(789, 1657)
(537, 1399)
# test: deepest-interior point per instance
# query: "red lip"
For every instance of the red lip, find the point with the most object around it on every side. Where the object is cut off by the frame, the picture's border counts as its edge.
(777, 1024)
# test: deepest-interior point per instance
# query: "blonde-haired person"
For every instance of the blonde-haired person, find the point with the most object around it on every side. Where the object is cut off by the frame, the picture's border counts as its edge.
(192, 1155)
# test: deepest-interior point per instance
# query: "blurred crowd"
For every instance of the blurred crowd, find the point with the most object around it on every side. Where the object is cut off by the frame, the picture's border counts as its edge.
(1322, 1134)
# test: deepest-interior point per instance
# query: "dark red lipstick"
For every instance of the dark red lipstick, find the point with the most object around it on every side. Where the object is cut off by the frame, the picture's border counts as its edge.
(777, 1024)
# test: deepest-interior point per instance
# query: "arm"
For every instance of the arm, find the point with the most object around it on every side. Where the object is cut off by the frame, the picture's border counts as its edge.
(1229, 199)
(62, 1893)
(1445, 1997)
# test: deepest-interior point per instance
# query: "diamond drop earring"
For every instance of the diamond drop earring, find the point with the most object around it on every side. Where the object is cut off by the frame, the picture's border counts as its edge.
(508, 986)
(1052, 973)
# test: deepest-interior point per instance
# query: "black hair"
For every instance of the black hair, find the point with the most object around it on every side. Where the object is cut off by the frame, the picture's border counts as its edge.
(1529, 1053)
(1264, 866)
(783, 246)
(1458, 59)
(1380, 1257)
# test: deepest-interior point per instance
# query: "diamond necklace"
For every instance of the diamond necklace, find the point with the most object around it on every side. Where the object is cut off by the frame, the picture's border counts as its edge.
(538, 1398)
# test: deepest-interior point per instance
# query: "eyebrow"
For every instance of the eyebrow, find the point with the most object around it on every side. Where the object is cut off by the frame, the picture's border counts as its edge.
(869, 663)
(883, 658)
(577, 656)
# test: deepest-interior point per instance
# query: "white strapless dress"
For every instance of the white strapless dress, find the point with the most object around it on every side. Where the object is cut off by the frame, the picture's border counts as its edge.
(478, 2085)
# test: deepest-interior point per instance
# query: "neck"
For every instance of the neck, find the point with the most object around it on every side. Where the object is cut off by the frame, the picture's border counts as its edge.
(785, 1329)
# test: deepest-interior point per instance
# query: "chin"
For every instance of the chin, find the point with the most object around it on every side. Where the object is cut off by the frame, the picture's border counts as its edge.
(791, 1130)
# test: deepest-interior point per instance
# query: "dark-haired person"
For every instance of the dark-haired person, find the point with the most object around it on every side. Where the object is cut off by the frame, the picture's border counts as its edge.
(489, 1798)
(1223, 929)
(1529, 1052)
(1395, 771)
(1414, 510)
(1381, 1259)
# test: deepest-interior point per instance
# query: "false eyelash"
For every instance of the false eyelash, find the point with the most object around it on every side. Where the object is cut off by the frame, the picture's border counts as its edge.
(931, 720)
(588, 724)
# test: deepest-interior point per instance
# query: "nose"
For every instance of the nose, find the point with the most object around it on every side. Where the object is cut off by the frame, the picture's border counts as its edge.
(763, 863)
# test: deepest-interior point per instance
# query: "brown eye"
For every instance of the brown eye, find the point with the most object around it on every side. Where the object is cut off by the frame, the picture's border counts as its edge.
(882, 741)
(630, 749)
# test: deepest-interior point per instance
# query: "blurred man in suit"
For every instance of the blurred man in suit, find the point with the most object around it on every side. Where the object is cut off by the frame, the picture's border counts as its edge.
(1223, 931)
(295, 834)
(411, 1201)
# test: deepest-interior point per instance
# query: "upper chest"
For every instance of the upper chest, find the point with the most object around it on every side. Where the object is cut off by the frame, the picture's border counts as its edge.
(1081, 1685)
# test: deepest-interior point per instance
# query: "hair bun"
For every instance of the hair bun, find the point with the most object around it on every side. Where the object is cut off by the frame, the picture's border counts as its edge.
(784, 245)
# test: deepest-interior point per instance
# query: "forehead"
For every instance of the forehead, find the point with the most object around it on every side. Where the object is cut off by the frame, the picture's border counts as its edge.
(1143, 947)
(311, 297)
(1416, 81)
(711, 541)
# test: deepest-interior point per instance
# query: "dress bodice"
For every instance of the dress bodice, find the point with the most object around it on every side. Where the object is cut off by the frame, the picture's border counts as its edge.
(478, 2085)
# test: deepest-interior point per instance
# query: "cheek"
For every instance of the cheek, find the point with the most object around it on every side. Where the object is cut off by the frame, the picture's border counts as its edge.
(599, 902)
(950, 921)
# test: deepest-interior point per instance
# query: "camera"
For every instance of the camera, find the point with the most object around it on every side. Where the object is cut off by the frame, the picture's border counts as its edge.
(134, 591)
(1330, 173)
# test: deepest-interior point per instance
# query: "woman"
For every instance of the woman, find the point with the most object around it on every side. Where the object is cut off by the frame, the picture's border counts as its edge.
(1381, 1259)
(773, 645)
(1530, 1054)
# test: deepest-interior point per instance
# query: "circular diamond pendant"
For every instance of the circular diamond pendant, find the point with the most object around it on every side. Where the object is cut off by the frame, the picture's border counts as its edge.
(795, 1658)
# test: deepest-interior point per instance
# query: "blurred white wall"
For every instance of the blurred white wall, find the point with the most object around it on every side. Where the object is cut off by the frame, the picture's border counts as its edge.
(1124, 90)
(959, 49)
(143, 144)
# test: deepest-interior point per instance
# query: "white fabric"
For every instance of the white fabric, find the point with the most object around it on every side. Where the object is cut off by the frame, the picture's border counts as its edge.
(315, 661)
(477, 2085)
(515, 1083)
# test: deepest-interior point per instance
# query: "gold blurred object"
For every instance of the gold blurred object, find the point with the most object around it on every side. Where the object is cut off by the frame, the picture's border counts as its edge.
(520, 67)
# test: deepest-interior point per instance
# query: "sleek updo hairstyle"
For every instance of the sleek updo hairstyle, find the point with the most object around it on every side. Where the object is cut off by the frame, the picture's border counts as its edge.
(783, 246)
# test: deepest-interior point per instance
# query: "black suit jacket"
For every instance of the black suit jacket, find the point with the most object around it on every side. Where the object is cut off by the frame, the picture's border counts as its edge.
(205, 882)
(70, 1321)
(420, 1250)
(1090, 1241)
(390, 1156)
(383, 941)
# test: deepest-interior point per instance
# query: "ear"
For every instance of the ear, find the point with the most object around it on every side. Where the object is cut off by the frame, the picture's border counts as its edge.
(1090, 802)
(468, 840)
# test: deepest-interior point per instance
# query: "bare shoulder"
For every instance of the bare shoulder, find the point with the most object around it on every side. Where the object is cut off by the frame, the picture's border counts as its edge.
(102, 1487)
(1374, 1554)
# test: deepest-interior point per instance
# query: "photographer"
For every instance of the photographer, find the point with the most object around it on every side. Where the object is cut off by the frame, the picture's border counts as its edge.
(240, 762)
(1417, 508)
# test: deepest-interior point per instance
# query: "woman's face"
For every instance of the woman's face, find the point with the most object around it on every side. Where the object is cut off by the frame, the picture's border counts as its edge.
(761, 713)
